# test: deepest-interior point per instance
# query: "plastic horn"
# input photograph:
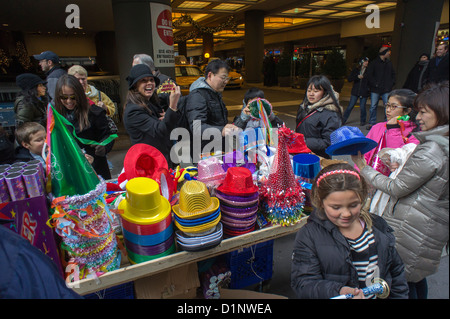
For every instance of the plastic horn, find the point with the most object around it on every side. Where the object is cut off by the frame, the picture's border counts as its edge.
(379, 288)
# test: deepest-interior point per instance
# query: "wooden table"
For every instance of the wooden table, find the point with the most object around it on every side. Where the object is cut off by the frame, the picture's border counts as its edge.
(148, 268)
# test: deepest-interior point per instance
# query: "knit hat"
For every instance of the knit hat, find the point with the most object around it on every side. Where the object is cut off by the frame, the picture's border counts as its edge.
(28, 81)
(47, 55)
(140, 71)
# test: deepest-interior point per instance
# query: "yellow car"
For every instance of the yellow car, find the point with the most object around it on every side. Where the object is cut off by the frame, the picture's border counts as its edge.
(185, 75)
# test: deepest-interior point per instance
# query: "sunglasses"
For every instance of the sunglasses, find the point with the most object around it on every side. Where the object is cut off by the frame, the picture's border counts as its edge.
(67, 97)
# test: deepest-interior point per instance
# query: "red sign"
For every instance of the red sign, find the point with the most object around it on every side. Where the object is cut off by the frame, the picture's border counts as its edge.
(164, 27)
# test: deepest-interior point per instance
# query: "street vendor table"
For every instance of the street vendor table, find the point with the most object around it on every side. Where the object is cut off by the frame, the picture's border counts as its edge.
(145, 269)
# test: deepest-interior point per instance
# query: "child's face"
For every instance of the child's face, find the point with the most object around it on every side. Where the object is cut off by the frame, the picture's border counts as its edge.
(395, 109)
(36, 144)
(342, 208)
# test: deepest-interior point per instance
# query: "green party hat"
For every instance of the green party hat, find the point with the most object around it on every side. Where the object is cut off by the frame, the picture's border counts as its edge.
(71, 173)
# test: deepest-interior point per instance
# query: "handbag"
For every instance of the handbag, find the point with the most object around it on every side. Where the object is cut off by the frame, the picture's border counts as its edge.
(375, 161)
(111, 124)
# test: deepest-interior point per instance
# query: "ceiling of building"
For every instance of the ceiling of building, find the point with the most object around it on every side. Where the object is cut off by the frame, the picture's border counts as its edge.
(225, 17)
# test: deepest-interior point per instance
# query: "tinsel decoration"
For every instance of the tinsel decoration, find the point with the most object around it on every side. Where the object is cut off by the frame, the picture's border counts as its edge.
(5, 61)
(282, 197)
(22, 55)
(230, 24)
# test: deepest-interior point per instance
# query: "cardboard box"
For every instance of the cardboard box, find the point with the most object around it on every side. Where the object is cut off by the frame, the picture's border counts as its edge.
(179, 283)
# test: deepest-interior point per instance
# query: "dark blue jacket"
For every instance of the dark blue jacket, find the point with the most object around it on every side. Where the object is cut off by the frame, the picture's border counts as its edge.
(26, 273)
(322, 262)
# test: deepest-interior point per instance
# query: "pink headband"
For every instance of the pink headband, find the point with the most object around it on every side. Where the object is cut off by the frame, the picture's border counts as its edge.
(338, 171)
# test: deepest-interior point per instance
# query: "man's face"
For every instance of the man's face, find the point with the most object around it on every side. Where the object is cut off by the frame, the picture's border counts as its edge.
(219, 80)
(441, 51)
(45, 65)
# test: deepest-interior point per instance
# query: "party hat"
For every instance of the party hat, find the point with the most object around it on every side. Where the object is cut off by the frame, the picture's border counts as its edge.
(282, 196)
(80, 214)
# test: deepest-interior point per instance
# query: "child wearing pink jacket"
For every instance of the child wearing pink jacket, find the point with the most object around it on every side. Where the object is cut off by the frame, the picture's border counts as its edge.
(398, 132)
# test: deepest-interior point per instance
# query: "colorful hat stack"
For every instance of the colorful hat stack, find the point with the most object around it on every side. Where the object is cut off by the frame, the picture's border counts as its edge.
(146, 221)
(306, 167)
(197, 217)
(239, 199)
(282, 196)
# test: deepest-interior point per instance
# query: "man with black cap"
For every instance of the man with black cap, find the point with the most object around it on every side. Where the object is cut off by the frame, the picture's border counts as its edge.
(49, 63)
(381, 79)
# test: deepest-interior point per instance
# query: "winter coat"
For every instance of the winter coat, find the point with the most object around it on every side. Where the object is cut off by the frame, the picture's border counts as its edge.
(380, 76)
(205, 104)
(419, 203)
(144, 126)
(93, 94)
(98, 131)
(319, 121)
(27, 273)
(437, 73)
(322, 260)
(360, 86)
(417, 76)
(34, 111)
(52, 77)
(394, 137)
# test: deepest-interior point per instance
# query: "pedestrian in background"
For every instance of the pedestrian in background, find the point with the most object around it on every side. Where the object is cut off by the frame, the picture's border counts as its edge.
(31, 102)
(419, 213)
(381, 80)
(50, 65)
(319, 115)
(437, 70)
(417, 76)
(360, 90)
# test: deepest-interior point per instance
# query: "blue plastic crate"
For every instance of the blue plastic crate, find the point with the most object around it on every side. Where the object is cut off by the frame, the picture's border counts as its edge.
(123, 291)
(250, 265)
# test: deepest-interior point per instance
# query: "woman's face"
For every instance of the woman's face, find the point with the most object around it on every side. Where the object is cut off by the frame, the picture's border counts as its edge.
(146, 87)
(68, 98)
(41, 90)
(394, 109)
(342, 208)
(426, 118)
(313, 94)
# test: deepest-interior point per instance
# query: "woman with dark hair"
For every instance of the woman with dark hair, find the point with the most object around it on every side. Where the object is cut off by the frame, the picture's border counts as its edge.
(89, 121)
(31, 103)
(417, 76)
(144, 119)
(418, 208)
(319, 115)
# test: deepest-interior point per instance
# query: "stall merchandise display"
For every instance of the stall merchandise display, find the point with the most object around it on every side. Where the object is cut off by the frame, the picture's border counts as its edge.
(349, 140)
(197, 217)
(146, 221)
(306, 167)
(239, 199)
(282, 197)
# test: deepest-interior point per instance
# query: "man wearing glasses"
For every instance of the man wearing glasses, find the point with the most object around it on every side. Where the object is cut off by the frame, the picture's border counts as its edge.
(205, 106)
(49, 63)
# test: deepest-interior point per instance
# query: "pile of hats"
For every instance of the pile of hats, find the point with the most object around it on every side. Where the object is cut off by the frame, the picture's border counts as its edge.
(197, 217)
(239, 199)
(146, 221)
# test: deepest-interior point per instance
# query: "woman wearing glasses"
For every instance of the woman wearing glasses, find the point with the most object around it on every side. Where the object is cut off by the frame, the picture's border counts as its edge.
(398, 132)
(418, 209)
(89, 121)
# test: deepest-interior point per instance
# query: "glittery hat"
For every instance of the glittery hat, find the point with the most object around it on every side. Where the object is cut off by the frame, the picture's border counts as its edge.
(238, 181)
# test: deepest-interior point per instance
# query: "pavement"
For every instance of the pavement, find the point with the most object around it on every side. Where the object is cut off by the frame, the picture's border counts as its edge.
(285, 101)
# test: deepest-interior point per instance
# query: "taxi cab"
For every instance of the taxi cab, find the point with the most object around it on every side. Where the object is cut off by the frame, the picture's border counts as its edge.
(185, 75)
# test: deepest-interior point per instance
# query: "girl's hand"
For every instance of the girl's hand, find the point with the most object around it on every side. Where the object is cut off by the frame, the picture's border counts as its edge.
(246, 110)
(392, 165)
(356, 292)
(359, 160)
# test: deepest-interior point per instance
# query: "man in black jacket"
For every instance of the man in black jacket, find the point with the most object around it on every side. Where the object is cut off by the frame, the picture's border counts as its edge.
(49, 62)
(205, 109)
(437, 70)
(381, 79)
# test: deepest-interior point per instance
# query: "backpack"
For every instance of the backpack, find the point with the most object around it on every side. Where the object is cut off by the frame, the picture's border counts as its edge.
(181, 106)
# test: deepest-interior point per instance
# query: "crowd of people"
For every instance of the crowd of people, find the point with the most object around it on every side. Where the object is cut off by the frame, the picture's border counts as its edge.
(343, 242)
